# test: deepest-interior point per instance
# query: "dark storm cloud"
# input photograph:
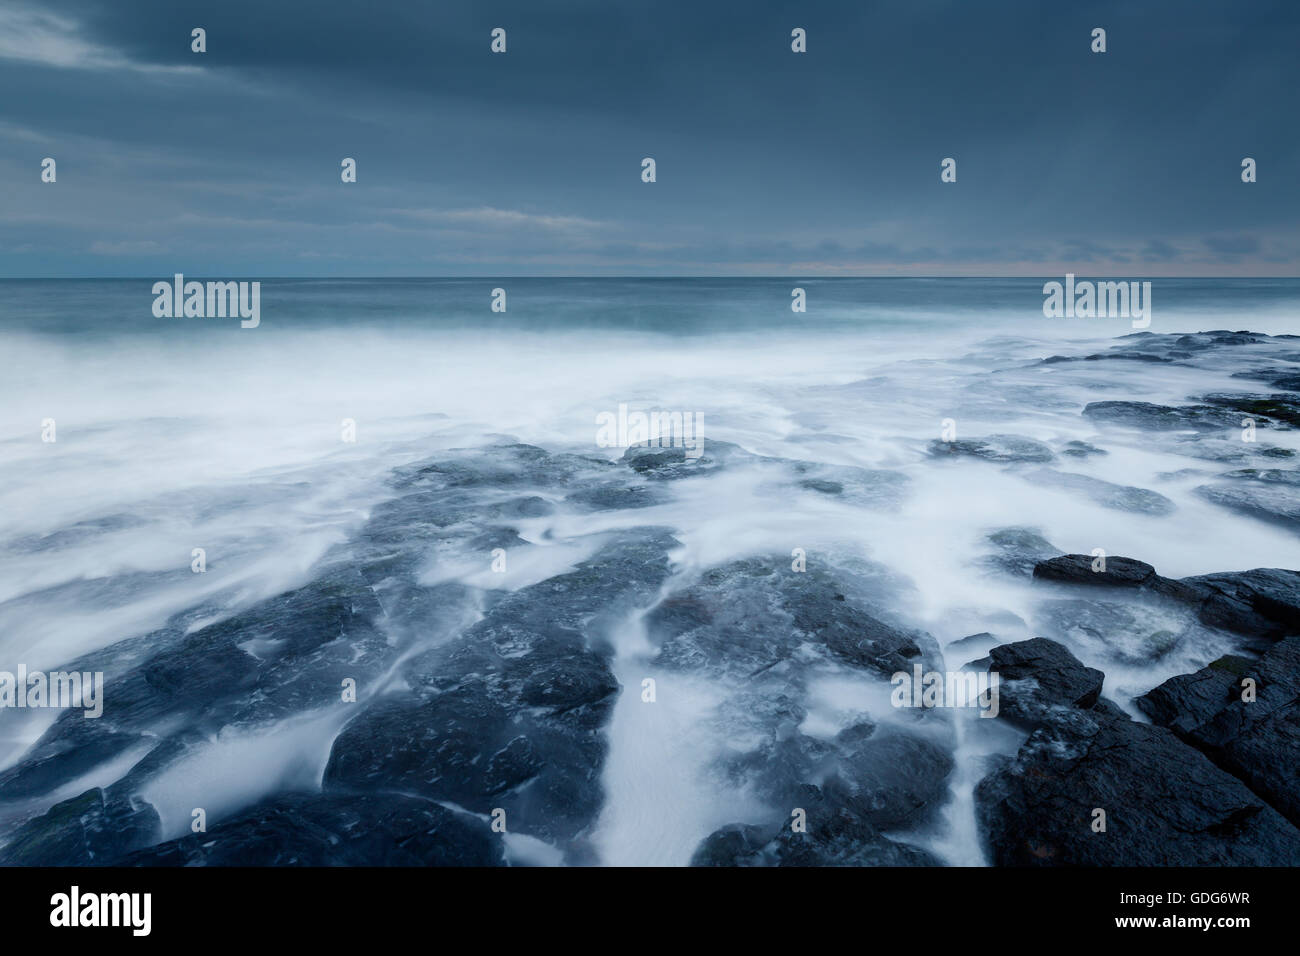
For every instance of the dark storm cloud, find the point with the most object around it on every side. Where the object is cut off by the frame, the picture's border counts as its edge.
(474, 163)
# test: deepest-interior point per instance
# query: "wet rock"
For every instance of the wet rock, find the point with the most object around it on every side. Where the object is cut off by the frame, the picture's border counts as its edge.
(1166, 804)
(663, 463)
(1038, 677)
(1019, 550)
(1131, 633)
(1147, 416)
(1275, 502)
(998, 448)
(1187, 701)
(1081, 449)
(511, 713)
(1257, 740)
(335, 829)
(1264, 602)
(835, 835)
(893, 779)
(1279, 410)
(748, 615)
(867, 487)
(1118, 497)
(1278, 476)
(93, 829)
(1079, 569)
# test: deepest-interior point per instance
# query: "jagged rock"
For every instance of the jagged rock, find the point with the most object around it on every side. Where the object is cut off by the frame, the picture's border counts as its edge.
(1166, 804)
(1038, 677)
(1186, 701)
(511, 713)
(1257, 740)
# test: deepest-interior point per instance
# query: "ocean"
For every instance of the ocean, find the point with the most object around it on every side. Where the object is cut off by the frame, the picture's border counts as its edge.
(275, 450)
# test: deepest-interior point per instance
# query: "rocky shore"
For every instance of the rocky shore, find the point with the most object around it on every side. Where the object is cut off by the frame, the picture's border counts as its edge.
(474, 701)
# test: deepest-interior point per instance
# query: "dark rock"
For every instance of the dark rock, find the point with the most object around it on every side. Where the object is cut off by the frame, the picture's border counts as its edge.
(335, 829)
(893, 780)
(1166, 804)
(1266, 408)
(1078, 569)
(93, 829)
(1264, 602)
(1186, 701)
(1258, 740)
(1037, 677)
(835, 836)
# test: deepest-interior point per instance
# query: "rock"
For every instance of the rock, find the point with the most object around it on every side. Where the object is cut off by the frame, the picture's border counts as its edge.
(663, 463)
(93, 829)
(1019, 550)
(1037, 677)
(1257, 741)
(1274, 409)
(1166, 804)
(1133, 633)
(335, 829)
(835, 835)
(893, 780)
(999, 448)
(1278, 476)
(1187, 701)
(1078, 569)
(1081, 449)
(1274, 502)
(511, 713)
(1146, 416)
(1264, 602)
(1118, 497)
(750, 614)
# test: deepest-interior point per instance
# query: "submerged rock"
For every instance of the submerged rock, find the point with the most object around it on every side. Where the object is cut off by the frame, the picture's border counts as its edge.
(1277, 502)
(1118, 497)
(1019, 550)
(998, 448)
(1146, 416)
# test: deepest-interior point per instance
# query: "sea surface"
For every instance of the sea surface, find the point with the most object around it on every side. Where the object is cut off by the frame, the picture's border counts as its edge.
(180, 433)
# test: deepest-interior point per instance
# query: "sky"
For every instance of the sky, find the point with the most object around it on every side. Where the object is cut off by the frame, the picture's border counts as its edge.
(768, 162)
